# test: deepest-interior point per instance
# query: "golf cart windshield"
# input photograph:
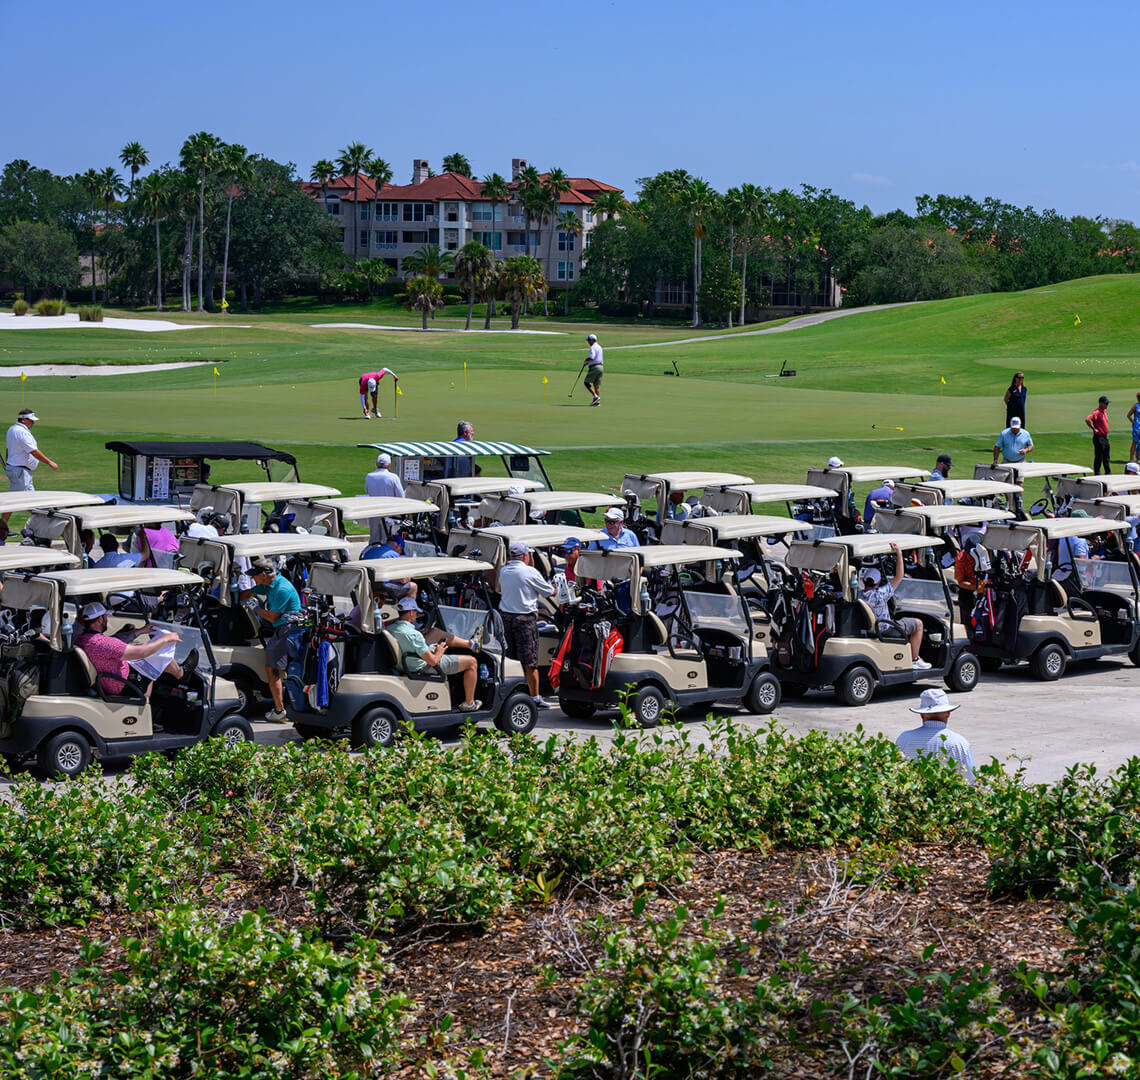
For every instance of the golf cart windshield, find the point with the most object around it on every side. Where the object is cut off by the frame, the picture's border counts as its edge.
(716, 611)
(462, 622)
(922, 591)
(1104, 574)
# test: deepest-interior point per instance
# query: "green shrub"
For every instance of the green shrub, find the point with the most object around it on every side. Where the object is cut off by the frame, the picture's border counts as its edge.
(200, 999)
(20, 307)
(91, 314)
(51, 307)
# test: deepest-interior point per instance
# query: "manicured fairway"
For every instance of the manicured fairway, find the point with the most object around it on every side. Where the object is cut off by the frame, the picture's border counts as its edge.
(860, 379)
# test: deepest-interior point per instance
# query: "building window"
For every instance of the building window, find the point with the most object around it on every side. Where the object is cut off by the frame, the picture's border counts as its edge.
(333, 208)
(482, 212)
(388, 211)
(492, 240)
(419, 211)
(387, 238)
(587, 239)
(565, 241)
(415, 237)
(364, 238)
(589, 217)
(433, 236)
(516, 239)
(364, 209)
(565, 271)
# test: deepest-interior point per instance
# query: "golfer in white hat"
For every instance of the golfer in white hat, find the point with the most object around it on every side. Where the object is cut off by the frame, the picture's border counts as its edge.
(520, 588)
(617, 535)
(933, 736)
(1014, 444)
(23, 453)
(595, 358)
(370, 388)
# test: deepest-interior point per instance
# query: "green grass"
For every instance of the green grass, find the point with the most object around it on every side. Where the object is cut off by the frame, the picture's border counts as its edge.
(860, 378)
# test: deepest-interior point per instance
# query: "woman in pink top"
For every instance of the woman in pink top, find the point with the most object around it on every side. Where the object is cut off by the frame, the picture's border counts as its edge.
(370, 387)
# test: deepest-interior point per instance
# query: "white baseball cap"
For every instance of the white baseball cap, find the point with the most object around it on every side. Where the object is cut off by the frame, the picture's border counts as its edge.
(614, 514)
(591, 337)
(872, 575)
(888, 483)
(383, 459)
(92, 611)
(1015, 423)
(1132, 468)
(835, 463)
(371, 384)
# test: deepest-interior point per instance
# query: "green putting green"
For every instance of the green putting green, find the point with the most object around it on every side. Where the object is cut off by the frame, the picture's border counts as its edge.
(868, 386)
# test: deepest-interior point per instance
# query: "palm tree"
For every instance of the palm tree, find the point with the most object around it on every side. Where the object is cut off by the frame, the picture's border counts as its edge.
(198, 154)
(495, 190)
(91, 184)
(322, 173)
(380, 173)
(474, 263)
(235, 167)
(609, 204)
(556, 184)
(155, 197)
(490, 290)
(732, 214)
(570, 223)
(458, 164)
(425, 295)
(134, 157)
(522, 283)
(753, 204)
(184, 198)
(352, 159)
(528, 188)
(111, 187)
(698, 200)
(429, 261)
(373, 271)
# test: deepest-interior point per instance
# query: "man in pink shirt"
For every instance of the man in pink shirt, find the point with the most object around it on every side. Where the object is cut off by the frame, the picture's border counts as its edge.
(1097, 420)
(111, 656)
(370, 387)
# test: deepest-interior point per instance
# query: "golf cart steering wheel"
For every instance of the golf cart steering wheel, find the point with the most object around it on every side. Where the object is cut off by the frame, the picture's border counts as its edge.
(1039, 507)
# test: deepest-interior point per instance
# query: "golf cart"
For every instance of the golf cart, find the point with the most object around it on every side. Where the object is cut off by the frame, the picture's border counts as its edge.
(1087, 488)
(417, 462)
(963, 492)
(367, 691)
(243, 502)
(1018, 472)
(60, 710)
(1093, 612)
(1113, 507)
(804, 501)
(457, 498)
(824, 634)
(18, 502)
(234, 630)
(842, 481)
(170, 471)
(32, 559)
(492, 545)
(327, 517)
(640, 488)
(617, 644)
(45, 527)
(541, 507)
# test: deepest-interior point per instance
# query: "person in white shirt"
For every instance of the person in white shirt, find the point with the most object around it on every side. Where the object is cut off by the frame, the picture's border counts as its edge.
(202, 525)
(520, 586)
(381, 483)
(934, 737)
(595, 358)
(23, 455)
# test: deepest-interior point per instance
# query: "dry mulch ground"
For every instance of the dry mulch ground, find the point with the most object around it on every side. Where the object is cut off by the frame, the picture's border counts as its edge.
(511, 991)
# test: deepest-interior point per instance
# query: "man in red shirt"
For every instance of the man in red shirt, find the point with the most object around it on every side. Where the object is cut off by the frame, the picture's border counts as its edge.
(1097, 420)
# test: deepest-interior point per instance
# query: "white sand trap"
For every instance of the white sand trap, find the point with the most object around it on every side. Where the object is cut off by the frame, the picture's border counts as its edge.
(72, 370)
(430, 330)
(8, 321)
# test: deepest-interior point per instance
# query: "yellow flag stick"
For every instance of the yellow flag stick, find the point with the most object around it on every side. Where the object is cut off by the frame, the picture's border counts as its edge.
(216, 373)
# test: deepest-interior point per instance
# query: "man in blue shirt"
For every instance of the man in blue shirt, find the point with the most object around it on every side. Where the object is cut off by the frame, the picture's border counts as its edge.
(617, 535)
(279, 610)
(393, 549)
(941, 469)
(934, 737)
(1014, 443)
(461, 466)
(879, 495)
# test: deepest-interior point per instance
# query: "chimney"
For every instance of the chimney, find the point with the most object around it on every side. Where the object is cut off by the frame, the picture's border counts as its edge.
(419, 170)
(517, 166)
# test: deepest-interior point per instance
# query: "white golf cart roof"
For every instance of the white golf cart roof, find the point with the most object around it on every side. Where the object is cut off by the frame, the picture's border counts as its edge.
(113, 580)
(119, 516)
(265, 491)
(13, 502)
(27, 557)
(1032, 470)
(611, 564)
(363, 507)
(870, 544)
(762, 493)
(1129, 504)
(1093, 487)
(945, 516)
(960, 489)
(742, 526)
(868, 474)
(542, 501)
(688, 480)
(541, 536)
(412, 566)
(484, 485)
(271, 544)
(1017, 536)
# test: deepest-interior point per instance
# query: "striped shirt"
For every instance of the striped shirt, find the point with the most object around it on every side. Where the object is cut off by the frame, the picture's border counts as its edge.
(934, 737)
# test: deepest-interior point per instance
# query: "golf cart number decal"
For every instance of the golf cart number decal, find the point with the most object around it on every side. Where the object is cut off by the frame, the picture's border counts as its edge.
(431, 695)
(128, 721)
(1088, 633)
(691, 675)
(898, 656)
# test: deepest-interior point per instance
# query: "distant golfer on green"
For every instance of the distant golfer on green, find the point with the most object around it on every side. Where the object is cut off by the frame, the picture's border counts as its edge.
(594, 362)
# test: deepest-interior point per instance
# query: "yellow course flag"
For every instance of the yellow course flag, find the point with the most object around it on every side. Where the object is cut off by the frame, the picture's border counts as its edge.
(23, 376)
(399, 392)
(942, 379)
(545, 380)
(217, 372)
(224, 304)
(1076, 319)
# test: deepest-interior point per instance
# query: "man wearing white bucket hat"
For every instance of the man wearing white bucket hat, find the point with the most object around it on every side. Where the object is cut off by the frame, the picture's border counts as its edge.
(934, 736)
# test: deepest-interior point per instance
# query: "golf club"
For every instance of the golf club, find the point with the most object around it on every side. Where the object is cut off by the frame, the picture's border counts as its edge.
(576, 378)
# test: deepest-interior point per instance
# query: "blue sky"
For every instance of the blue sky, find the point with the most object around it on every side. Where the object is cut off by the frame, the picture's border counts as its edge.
(1032, 103)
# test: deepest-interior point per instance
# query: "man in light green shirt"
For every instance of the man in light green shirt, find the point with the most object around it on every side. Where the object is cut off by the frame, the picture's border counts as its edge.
(418, 654)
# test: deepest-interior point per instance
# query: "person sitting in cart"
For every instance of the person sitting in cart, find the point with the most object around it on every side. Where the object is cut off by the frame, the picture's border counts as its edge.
(419, 652)
(1069, 549)
(835, 462)
(881, 496)
(618, 535)
(112, 556)
(878, 595)
(677, 510)
(112, 656)
(282, 606)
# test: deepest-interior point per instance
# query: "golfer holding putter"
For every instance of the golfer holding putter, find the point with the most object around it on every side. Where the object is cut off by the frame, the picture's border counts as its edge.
(594, 361)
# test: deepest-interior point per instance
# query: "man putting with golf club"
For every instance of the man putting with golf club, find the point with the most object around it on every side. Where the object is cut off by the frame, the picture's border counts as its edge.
(593, 363)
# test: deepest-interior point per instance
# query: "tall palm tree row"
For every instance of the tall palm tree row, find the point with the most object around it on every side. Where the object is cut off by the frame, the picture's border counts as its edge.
(496, 190)
(352, 159)
(184, 197)
(556, 184)
(133, 157)
(154, 195)
(198, 156)
(732, 214)
(235, 166)
(528, 190)
(474, 263)
(698, 200)
(753, 208)
(571, 224)
(90, 182)
(380, 173)
(323, 173)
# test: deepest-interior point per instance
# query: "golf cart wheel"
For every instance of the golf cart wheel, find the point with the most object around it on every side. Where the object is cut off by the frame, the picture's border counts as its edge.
(577, 710)
(1049, 662)
(647, 706)
(519, 716)
(376, 727)
(1134, 654)
(856, 686)
(233, 730)
(764, 694)
(792, 690)
(990, 664)
(66, 754)
(248, 698)
(964, 673)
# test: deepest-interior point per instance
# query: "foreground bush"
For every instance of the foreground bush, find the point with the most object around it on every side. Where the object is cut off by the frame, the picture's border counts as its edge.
(91, 314)
(199, 999)
(51, 307)
(20, 307)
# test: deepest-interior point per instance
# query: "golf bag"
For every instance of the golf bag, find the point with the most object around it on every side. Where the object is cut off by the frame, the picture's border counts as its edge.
(314, 671)
(982, 618)
(588, 659)
(800, 626)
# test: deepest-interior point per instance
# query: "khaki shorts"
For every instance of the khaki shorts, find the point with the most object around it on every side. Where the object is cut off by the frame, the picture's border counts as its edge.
(594, 377)
(448, 665)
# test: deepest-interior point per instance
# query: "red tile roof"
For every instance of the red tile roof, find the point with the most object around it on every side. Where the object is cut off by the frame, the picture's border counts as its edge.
(446, 186)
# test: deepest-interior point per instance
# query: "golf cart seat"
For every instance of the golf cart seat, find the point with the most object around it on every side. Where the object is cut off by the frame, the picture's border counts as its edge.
(655, 632)
(428, 674)
(95, 681)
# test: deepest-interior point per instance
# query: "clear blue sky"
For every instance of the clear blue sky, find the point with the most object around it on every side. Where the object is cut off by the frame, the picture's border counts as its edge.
(1032, 102)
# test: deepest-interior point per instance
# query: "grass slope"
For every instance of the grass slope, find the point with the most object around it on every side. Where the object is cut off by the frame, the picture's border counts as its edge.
(860, 379)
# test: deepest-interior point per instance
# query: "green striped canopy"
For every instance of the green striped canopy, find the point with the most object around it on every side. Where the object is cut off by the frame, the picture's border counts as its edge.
(466, 448)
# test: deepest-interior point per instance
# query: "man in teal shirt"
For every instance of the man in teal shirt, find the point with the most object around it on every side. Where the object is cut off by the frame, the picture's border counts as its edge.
(281, 605)
(417, 654)
(1013, 444)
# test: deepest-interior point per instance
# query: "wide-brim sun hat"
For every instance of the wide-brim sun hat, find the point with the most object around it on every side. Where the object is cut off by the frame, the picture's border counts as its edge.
(934, 701)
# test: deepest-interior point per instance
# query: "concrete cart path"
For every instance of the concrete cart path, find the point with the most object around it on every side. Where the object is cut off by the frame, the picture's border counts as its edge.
(794, 324)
